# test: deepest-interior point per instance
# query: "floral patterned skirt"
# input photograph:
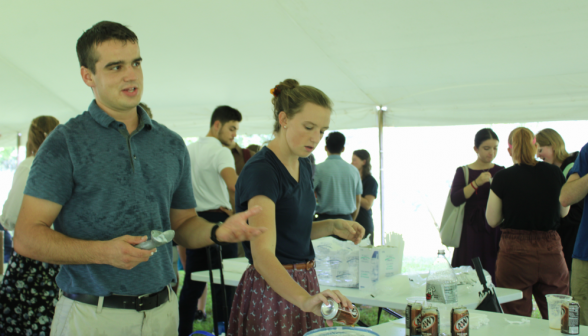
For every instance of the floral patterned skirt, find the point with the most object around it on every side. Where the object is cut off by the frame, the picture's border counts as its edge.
(258, 310)
(28, 296)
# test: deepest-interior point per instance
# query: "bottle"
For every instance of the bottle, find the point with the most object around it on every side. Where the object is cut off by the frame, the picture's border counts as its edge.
(442, 290)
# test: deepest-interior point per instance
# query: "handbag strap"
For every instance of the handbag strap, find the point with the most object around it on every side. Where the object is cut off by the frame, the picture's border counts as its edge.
(466, 174)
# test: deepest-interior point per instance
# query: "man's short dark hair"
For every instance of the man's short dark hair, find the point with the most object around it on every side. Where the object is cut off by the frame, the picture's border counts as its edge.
(101, 32)
(224, 114)
(335, 142)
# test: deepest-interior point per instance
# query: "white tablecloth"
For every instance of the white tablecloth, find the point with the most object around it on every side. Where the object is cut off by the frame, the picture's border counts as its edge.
(234, 268)
(496, 327)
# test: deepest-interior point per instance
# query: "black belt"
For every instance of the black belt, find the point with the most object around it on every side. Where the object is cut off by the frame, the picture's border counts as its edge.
(139, 303)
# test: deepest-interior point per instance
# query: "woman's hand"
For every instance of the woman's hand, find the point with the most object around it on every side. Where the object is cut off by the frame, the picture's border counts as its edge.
(313, 303)
(348, 230)
(483, 179)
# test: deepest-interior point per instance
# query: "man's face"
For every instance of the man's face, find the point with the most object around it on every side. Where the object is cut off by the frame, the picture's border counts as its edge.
(228, 132)
(118, 81)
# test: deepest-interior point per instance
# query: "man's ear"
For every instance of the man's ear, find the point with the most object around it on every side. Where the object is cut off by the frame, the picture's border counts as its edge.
(217, 125)
(87, 77)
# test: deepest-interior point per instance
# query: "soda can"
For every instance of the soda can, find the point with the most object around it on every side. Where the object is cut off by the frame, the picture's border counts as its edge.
(415, 324)
(460, 321)
(570, 318)
(336, 312)
(430, 321)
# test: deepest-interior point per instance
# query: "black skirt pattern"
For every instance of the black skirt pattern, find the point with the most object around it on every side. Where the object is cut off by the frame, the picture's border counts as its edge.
(28, 296)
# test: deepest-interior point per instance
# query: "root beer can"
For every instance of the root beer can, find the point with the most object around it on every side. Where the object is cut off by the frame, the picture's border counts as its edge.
(570, 314)
(460, 322)
(336, 312)
(413, 319)
(430, 321)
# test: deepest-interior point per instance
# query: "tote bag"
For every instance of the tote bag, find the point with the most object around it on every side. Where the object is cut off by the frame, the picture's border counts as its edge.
(452, 221)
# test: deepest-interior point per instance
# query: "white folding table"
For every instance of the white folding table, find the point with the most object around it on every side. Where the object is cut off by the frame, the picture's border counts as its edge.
(497, 326)
(234, 268)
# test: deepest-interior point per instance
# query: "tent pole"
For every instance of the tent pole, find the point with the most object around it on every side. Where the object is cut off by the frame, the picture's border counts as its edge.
(381, 142)
(18, 140)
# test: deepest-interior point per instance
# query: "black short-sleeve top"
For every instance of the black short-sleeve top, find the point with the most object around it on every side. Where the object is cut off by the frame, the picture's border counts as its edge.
(530, 196)
(264, 174)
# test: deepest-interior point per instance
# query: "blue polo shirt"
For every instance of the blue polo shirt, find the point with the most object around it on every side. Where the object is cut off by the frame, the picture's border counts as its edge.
(581, 168)
(110, 184)
(336, 184)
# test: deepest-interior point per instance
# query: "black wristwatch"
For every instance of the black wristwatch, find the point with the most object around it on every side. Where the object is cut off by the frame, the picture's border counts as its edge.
(213, 235)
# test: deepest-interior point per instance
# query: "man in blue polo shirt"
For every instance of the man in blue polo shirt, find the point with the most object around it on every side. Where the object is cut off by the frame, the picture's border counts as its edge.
(576, 189)
(106, 179)
(337, 184)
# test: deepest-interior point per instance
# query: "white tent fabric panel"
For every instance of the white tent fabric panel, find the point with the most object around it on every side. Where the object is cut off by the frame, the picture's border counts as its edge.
(431, 63)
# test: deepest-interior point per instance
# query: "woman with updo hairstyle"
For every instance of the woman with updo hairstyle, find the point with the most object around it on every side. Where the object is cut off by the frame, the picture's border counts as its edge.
(362, 161)
(28, 293)
(552, 149)
(524, 202)
(279, 293)
(478, 239)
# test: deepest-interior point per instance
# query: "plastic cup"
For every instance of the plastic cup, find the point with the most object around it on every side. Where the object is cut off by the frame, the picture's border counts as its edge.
(419, 299)
(554, 302)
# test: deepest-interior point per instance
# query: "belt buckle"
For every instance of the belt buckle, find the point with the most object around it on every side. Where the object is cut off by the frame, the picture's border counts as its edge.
(309, 265)
(138, 304)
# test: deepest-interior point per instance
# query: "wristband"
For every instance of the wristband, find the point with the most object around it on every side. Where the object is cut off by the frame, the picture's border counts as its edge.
(475, 189)
(213, 235)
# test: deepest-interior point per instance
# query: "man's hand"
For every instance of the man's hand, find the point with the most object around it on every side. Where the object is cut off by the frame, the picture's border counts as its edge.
(348, 230)
(121, 253)
(235, 229)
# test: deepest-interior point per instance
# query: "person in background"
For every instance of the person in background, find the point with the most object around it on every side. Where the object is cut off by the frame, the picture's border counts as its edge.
(213, 182)
(7, 245)
(478, 239)
(25, 310)
(337, 184)
(574, 191)
(362, 161)
(279, 293)
(253, 148)
(552, 149)
(530, 257)
(240, 155)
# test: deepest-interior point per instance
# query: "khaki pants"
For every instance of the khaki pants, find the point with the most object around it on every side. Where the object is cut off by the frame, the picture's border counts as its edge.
(580, 287)
(76, 318)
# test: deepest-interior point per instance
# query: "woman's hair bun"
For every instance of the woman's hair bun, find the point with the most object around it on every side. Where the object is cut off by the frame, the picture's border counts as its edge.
(288, 84)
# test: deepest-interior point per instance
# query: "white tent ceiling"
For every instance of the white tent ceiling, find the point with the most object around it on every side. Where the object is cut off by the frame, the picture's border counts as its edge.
(430, 62)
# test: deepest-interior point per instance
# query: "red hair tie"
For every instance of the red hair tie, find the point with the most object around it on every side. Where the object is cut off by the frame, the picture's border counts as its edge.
(275, 91)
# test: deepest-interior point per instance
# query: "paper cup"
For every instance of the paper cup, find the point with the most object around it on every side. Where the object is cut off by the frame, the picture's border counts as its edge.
(554, 302)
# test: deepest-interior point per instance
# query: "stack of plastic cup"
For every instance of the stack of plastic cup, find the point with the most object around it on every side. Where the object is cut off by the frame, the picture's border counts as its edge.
(554, 302)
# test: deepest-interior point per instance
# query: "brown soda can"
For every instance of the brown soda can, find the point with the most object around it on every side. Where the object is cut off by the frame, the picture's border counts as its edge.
(430, 321)
(415, 323)
(570, 318)
(460, 321)
(336, 312)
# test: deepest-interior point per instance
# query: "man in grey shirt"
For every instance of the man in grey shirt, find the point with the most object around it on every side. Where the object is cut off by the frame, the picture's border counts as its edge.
(337, 184)
(106, 179)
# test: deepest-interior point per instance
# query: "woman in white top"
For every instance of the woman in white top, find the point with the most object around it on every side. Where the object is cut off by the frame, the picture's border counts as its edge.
(28, 292)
